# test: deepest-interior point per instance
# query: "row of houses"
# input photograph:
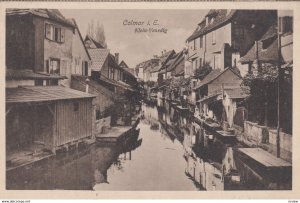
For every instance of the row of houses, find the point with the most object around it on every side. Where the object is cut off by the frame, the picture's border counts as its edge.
(228, 73)
(61, 88)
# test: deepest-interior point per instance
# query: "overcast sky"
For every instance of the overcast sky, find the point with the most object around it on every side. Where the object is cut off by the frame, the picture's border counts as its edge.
(137, 47)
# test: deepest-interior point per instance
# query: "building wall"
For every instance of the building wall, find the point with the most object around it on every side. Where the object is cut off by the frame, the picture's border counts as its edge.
(16, 83)
(20, 44)
(102, 102)
(73, 121)
(79, 52)
(223, 35)
(39, 44)
(105, 69)
(61, 51)
(287, 47)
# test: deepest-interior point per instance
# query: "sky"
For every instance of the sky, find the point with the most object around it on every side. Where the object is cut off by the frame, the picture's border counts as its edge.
(135, 47)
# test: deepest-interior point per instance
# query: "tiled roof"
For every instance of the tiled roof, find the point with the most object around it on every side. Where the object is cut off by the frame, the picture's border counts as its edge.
(14, 74)
(52, 14)
(269, 54)
(120, 84)
(179, 57)
(211, 76)
(97, 44)
(236, 93)
(221, 18)
(155, 69)
(271, 32)
(98, 58)
(42, 94)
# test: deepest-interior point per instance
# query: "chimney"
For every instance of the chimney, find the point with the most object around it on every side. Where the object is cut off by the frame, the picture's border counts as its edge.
(117, 58)
(162, 53)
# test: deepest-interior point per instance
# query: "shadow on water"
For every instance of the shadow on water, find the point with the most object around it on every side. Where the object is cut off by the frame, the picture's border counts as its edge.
(79, 169)
(167, 153)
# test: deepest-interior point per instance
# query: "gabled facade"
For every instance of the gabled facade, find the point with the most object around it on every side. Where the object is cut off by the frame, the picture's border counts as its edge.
(223, 36)
(45, 42)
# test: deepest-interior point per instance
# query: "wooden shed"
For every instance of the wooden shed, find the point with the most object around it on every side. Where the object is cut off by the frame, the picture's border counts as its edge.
(50, 116)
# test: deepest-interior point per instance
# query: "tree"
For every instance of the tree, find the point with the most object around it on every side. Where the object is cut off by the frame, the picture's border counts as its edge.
(202, 72)
(97, 33)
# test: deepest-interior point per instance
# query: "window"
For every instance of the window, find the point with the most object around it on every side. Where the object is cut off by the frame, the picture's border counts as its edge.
(239, 32)
(38, 82)
(285, 24)
(76, 106)
(85, 68)
(201, 42)
(195, 44)
(213, 37)
(63, 68)
(54, 33)
(98, 115)
(216, 62)
(200, 62)
(53, 66)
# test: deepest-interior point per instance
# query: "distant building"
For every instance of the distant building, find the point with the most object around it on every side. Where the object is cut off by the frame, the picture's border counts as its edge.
(223, 36)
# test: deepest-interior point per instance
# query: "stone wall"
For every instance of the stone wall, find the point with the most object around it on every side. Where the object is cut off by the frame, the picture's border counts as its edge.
(256, 133)
(261, 136)
(285, 144)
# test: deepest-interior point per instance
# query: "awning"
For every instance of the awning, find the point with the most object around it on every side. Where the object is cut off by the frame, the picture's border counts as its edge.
(210, 98)
(27, 94)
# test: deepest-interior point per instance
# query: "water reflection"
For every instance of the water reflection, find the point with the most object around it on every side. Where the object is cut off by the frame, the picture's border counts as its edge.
(170, 152)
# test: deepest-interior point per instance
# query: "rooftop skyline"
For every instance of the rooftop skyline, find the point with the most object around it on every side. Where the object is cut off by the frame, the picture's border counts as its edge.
(125, 30)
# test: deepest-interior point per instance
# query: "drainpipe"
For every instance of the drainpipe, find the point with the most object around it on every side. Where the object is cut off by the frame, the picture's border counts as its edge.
(278, 90)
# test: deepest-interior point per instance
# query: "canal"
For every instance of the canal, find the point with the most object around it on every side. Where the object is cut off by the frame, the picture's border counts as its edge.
(165, 157)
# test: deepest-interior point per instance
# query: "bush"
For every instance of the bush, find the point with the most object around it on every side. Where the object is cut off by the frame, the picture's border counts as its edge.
(202, 72)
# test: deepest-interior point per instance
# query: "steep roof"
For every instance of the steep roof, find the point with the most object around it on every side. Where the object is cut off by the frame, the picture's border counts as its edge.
(98, 45)
(79, 33)
(214, 74)
(177, 59)
(236, 93)
(211, 76)
(269, 53)
(99, 57)
(221, 17)
(155, 69)
(42, 94)
(126, 68)
(52, 14)
(15, 74)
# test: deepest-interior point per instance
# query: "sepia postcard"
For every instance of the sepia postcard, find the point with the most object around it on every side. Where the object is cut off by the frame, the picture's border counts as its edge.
(150, 100)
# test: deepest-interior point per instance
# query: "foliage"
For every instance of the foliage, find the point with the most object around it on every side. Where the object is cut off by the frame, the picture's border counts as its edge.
(202, 72)
(150, 83)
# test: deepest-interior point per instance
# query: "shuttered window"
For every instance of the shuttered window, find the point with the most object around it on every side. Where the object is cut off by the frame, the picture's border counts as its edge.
(54, 33)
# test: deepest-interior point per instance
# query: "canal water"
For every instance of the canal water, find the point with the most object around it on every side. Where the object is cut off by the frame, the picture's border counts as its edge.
(165, 157)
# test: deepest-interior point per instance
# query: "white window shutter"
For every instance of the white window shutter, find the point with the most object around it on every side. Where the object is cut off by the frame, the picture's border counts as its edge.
(48, 31)
(62, 35)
